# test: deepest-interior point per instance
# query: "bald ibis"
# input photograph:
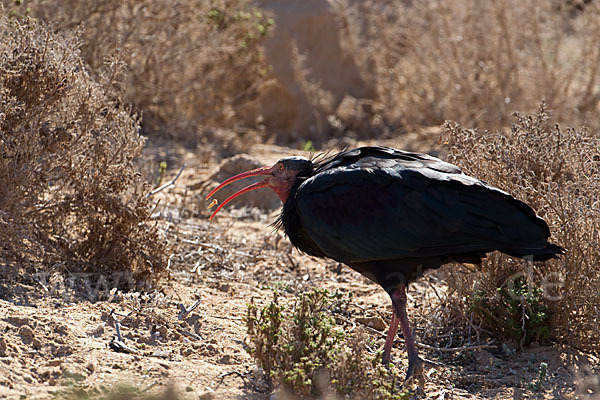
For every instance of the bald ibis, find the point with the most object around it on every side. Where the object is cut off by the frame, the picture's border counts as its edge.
(391, 214)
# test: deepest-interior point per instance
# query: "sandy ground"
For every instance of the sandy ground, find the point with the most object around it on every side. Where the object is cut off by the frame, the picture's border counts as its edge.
(56, 330)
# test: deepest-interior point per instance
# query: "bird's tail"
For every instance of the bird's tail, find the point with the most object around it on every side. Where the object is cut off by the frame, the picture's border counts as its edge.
(550, 251)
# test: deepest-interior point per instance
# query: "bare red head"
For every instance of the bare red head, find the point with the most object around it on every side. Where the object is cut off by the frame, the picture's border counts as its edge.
(280, 178)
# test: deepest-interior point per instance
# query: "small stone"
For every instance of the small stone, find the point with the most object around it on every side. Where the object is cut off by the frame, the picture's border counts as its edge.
(164, 365)
(98, 331)
(160, 354)
(61, 330)
(26, 334)
(373, 322)
(160, 332)
(206, 395)
(186, 351)
(226, 359)
(63, 351)
(3, 347)
(224, 287)
(18, 321)
(36, 344)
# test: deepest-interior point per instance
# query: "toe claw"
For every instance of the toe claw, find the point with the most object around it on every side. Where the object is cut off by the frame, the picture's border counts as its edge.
(415, 373)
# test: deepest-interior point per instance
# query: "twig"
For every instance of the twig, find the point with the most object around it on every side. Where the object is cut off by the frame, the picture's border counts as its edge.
(291, 260)
(219, 248)
(38, 280)
(117, 325)
(523, 325)
(226, 374)
(216, 247)
(118, 329)
(434, 289)
(166, 185)
(117, 343)
(169, 261)
(453, 349)
(224, 317)
(196, 268)
(120, 347)
(149, 387)
(155, 207)
(441, 349)
(185, 311)
(353, 326)
(470, 325)
(194, 336)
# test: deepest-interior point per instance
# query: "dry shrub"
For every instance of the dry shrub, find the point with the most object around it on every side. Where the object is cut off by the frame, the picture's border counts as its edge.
(193, 65)
(476, 62)
(557, 172)
(70, 195)
(189, 63)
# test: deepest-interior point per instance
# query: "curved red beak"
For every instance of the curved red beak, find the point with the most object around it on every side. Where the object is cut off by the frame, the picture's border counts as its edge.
(257, 185)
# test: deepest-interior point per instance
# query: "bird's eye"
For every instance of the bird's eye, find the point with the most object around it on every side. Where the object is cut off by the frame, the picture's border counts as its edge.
(281, 167)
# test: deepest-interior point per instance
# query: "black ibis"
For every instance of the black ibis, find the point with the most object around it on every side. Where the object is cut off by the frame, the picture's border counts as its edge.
(391, 214)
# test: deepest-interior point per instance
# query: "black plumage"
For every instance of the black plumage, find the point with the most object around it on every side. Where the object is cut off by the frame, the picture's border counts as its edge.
(386, 212)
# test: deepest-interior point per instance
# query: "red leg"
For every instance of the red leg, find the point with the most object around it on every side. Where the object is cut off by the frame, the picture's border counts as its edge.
(389, 340)
(415, 363)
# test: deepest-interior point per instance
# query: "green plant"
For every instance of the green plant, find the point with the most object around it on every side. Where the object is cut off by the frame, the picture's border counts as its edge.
(308, 146)
(162, 169)
(264, 329)
(302, 348)
(541, 378)
(517, 309)
(543, 372)
(314, 339)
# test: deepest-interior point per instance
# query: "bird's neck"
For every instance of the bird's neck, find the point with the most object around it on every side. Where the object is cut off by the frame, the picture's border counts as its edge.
(282, 192)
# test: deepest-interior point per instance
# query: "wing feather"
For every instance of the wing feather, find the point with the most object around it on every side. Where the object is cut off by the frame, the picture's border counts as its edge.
(367, 208)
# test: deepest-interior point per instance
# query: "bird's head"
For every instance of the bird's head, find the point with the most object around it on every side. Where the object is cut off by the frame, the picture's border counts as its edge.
(279, 177)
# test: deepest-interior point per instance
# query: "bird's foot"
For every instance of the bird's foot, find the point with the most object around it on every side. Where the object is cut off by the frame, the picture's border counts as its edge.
(415, 374)
(386, 358)
(415, 370)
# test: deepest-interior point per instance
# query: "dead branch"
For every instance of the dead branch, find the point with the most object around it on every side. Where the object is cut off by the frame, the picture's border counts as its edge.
(166, 185)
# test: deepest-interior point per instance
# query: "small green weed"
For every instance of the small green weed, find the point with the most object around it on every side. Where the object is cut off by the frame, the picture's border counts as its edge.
(299, 345)
(308, 146)
(542, 375)
(162, 170)
(517, 308)
(259, 25)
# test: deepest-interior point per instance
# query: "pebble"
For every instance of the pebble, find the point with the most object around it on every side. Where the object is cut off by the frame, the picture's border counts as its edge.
(206, 395)
(374, 322)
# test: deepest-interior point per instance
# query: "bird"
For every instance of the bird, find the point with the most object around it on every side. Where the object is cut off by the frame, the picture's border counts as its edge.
(391, 215)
